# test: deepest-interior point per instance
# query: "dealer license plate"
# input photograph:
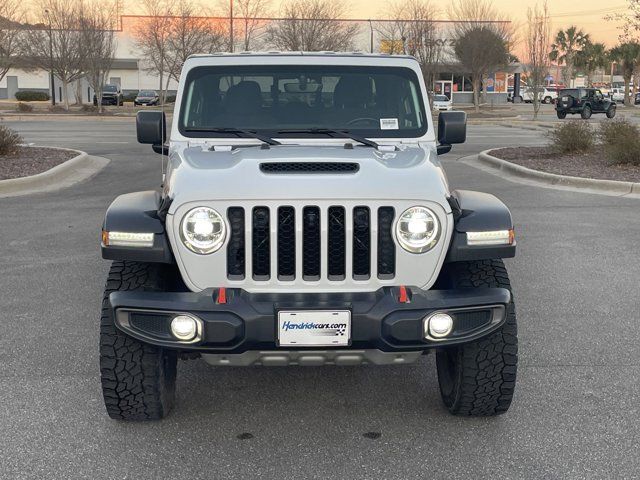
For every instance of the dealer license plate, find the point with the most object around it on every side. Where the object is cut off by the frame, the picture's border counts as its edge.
(314, 328)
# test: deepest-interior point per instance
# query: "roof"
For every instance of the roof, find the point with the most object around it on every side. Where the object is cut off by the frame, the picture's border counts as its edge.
(300, 54)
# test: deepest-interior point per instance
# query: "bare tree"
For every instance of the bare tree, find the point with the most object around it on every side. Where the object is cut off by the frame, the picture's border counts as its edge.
(55, 44)
(413, 30)
(482, 40)
(537, 51)
(251, 14)
(97, 28)
(312, 25)
(190, 34)
(11, 34)
(151, 37)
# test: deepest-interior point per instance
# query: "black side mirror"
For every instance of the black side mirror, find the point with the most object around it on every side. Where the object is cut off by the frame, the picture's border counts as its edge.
(151, 128)
(452, 128)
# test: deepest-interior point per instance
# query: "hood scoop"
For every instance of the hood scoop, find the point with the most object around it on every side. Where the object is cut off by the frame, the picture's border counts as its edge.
(309, 167)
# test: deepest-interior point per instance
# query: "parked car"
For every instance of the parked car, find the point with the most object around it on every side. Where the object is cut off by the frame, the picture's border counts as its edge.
(146, 97)
(617, 95)
(637, 99)
(111, 95)
(545, 95)
(584, 101)
(442, 103)
(284, 235)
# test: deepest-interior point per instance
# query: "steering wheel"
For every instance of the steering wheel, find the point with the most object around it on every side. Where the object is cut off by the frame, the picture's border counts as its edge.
(363, 119)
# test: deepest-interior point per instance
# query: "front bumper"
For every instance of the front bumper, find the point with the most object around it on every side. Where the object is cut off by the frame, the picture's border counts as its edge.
(248, 321)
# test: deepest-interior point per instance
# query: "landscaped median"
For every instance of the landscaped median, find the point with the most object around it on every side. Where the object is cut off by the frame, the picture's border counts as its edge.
(606, 161)
(28, 169)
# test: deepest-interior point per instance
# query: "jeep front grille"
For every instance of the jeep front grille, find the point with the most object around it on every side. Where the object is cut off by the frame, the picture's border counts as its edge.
(311, 243)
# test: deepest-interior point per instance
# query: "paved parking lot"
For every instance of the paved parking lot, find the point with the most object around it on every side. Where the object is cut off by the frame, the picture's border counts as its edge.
(575, 414)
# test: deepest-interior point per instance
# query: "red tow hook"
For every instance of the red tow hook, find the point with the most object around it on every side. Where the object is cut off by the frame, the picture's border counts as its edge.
(403, 297)
(222, 296)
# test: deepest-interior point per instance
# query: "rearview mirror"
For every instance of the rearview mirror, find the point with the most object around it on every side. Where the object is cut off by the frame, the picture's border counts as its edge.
(452, 128)
(151, 128)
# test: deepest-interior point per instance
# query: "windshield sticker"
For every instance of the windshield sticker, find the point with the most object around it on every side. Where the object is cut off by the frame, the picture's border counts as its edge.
(389, 124)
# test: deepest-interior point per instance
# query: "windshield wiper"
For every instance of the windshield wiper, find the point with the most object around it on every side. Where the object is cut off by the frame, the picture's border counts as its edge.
(235, 131)
(337, 133)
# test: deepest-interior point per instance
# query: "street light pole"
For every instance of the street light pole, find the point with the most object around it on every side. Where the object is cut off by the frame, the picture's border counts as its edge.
(371, 39)
(51, 76)
(231, 26)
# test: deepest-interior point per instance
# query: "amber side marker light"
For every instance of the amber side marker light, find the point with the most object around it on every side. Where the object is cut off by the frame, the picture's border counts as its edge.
(127, 239)
(495, 237)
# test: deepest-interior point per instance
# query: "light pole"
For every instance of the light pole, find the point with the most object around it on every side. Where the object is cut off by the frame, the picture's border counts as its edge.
(371, 38)
(51, 77)
(231, 26)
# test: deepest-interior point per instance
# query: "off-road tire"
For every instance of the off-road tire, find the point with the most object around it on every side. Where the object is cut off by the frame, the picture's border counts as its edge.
(586, 112)
(611, 111)
(479, 378)
(561, 114)
(547, 100)
(138, 379)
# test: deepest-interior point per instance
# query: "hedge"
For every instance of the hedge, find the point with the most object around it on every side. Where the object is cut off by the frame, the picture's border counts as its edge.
(31, 96)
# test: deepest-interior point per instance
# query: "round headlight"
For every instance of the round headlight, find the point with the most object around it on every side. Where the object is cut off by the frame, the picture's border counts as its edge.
(418, 229)
(203, 230)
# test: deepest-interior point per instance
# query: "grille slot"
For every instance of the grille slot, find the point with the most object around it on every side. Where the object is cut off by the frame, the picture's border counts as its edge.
(361, 243)
(336, 244)
(286, 243)
(236, 248)
(386, 245)
(261, 244)
(309, 167)
(311, 243)
(151, 323)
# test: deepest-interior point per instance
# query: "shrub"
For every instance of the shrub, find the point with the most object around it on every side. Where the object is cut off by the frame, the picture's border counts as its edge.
(572, 137)
(171, 99)
(57, 109)
(89, 108)
(621, 141)
(24, 107)
(9, 140)
(31, 96)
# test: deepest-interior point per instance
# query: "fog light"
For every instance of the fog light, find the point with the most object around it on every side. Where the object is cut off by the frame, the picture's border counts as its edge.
(184, 327)
(439, 325)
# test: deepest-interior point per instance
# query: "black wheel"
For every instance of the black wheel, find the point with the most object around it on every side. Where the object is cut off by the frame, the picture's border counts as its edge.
(138, 379)
(479, 378)
(586, 112)
(561, 114)
(611, 112)
(547, 100)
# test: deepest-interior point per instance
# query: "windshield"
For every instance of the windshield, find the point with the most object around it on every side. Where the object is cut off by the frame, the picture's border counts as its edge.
(109, 88)
(440, 98)
(146, 93)
(367, 101)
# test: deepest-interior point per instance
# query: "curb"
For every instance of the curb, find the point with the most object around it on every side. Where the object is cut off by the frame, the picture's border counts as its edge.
(79, 168)
(589, 185)
(59, 116)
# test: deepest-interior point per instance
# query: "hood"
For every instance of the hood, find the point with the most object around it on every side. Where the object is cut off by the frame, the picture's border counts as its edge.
(410, 173)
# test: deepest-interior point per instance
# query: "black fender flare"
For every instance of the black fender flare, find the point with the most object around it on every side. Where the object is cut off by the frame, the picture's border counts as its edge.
(138, 212)
(478, 212)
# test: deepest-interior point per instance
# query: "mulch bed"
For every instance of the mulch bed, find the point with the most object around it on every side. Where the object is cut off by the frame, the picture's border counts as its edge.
(31, 160)
(593, 164)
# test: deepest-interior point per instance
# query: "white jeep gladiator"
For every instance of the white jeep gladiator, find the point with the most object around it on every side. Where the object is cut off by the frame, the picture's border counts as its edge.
(305, 219)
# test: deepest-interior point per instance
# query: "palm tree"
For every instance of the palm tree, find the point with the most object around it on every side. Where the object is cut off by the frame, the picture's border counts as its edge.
(627, 55)
(565, 47)
(592, 57)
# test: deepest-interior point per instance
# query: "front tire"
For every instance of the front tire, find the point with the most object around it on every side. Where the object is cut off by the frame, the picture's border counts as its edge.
(478, 378)
(586, 112)
(561, 114)
(611, 112)
(547, 100)
(138, 379)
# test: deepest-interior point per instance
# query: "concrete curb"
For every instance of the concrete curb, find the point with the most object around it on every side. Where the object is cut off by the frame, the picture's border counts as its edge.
(551, 180)
(79, 168)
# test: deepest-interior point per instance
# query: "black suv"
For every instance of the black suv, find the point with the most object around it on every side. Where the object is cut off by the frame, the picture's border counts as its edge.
(111, 95)
(584, 101)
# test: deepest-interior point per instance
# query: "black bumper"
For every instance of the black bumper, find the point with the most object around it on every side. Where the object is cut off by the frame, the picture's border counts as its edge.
(247, 321)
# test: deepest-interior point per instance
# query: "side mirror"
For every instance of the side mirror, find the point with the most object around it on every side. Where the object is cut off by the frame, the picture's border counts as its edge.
(151, 128)
(452, 128)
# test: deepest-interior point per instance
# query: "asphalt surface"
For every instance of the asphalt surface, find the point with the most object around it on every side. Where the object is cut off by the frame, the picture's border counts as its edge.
(575, 414)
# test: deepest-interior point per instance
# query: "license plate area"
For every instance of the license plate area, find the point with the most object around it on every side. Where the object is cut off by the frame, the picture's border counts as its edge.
(314, 328)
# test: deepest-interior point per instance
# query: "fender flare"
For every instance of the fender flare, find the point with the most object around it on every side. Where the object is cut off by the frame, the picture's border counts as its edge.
(138, 212)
